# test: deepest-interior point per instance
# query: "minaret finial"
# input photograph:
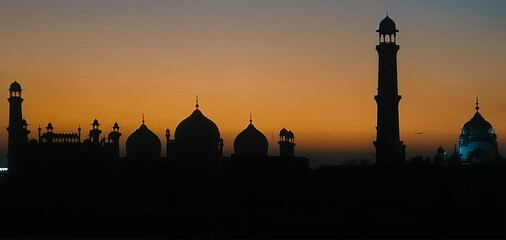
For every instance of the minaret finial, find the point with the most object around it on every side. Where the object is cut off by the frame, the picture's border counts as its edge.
(143, 118)
(250, 119)
(197, 101)
(477, 104)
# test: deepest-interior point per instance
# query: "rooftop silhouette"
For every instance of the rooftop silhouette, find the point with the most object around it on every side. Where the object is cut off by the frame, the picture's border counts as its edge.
(69, 185)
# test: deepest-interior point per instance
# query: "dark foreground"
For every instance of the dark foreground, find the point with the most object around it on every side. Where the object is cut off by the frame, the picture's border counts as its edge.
(332, 202)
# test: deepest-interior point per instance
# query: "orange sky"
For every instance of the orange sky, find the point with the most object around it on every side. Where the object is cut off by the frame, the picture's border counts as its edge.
(309, 66)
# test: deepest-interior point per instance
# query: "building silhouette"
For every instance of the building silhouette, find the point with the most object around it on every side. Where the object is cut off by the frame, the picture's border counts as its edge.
(197, 142)
(196, 145)
(251, 148)
(143, 144)
(477, 145)
(478, 142)
(389, 149)
(66, 185)
(18, 127)
(443, 159)
(251, 142)
(53, 149)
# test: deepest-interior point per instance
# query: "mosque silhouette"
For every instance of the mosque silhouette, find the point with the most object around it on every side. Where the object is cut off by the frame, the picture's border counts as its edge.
(68, 185)
(196, 144)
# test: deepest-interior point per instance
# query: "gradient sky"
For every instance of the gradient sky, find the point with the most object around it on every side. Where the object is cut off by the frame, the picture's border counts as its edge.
(309, 66)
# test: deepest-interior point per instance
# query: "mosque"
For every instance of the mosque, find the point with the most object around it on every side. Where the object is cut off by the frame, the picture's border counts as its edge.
(478, 141)
(196, 144)
(477, 145)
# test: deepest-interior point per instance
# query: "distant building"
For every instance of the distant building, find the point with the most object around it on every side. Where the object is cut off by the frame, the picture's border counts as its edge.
(443, 159)
(478, 142)
(477, 145)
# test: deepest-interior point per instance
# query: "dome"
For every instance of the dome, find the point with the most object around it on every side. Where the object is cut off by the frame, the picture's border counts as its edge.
(477, 126)
(387, 26)
(143, 143)
(290, 134)
(283, 132)
(251, 142)
(197, 135)
(15, 87)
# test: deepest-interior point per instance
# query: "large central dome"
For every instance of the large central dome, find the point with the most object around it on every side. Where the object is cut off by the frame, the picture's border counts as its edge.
(197, 136)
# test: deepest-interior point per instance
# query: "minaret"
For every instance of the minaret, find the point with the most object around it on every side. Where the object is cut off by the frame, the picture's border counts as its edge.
(286, 143)
(95, 131)
(389, 149)
(114, 138)
(18, 133)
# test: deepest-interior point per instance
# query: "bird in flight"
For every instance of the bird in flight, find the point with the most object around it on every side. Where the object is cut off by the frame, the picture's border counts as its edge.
(418, 133)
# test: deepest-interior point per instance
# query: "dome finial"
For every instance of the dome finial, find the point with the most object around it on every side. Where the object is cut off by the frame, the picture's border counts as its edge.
(477, 104)
(250, 119)
(143, 118)
(387, 13)
(197, 101)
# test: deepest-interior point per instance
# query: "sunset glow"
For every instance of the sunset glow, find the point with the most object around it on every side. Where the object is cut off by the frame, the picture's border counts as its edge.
(308, 66)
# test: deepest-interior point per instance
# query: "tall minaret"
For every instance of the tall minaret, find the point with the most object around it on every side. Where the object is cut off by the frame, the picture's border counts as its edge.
(18, 132)
(389, 149)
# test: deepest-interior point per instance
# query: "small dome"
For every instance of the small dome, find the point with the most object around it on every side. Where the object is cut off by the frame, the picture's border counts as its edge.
(290, 134)
(143, 144)
(477, 126)
(283, 132)
(387, 26)
(197, 135)
(15, 87)
(251, 142)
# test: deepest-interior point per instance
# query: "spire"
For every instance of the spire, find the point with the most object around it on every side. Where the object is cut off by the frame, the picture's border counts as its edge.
(250, 119)
(143, 118)
(477, 104)
(197, 101)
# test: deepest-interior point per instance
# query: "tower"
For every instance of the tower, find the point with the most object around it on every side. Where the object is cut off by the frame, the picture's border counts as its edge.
(389, 149)
(113, 137)
(95, 132)
(286, 143)
(18, 132)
